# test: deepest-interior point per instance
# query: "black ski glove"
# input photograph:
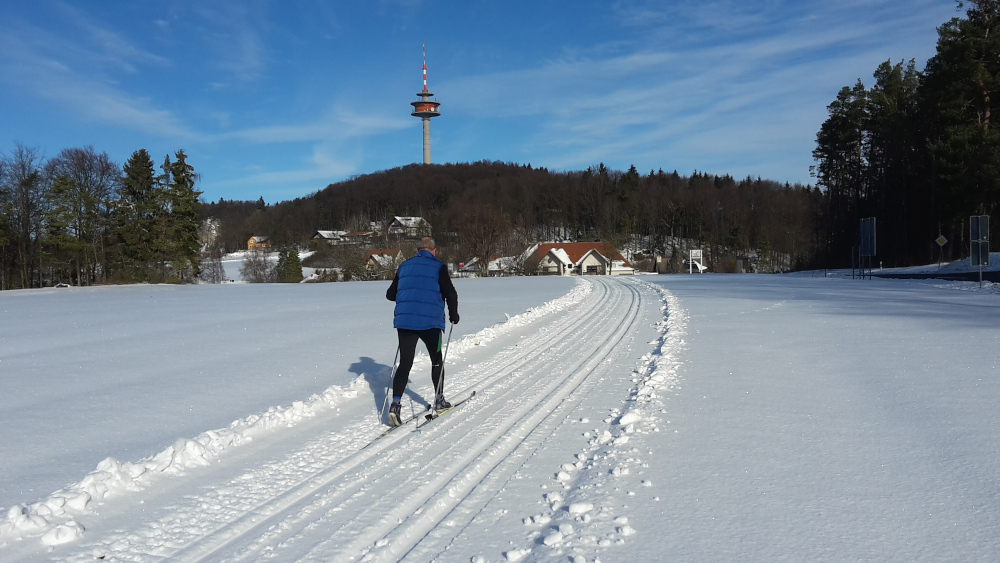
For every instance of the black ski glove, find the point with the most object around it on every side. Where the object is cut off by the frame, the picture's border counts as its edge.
(453, 317)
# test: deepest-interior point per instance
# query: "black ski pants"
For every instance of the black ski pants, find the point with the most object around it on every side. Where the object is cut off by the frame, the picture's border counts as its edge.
(408, 348)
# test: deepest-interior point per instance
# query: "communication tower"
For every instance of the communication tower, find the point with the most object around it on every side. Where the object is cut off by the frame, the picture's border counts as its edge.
(425, 108)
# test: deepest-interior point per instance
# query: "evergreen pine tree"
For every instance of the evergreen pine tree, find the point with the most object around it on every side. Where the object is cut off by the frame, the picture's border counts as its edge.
(898, 189)
(184, 207)
(292, 271)
(162, 223)
(136, 213)
(279, 267)
(842, 170)
(957, 94)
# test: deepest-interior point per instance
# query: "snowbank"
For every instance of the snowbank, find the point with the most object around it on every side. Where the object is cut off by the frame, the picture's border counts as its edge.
(54, 520)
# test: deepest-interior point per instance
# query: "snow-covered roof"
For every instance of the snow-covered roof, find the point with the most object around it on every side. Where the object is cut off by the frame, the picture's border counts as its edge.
(470, 266)
(560, 255)
(329, 234)
(409, 222)
(385, 257)
(503, 263)
(258, 239)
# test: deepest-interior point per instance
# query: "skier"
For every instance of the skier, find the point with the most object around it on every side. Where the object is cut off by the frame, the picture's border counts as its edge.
(421, 289)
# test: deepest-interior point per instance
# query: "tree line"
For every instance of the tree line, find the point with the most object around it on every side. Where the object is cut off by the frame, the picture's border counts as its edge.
(487, 209)
(80, 219)
(917, 150)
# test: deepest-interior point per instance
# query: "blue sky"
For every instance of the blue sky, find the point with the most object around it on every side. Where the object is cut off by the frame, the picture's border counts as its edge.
(279, 99)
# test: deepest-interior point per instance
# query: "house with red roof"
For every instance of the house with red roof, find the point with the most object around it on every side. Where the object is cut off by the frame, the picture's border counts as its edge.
(583, 258)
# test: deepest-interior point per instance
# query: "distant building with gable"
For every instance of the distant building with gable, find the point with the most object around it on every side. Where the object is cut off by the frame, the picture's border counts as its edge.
(329, 237)
(383, 257)
(258, 243)
(382, 262)
(583, 258)
(409, 227)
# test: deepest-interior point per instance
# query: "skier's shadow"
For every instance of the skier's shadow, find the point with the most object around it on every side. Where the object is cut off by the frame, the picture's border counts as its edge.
(377, 376)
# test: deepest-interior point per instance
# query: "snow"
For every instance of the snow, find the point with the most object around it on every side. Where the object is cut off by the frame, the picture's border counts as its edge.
(232, 262)
(957, 266)
(693, 418)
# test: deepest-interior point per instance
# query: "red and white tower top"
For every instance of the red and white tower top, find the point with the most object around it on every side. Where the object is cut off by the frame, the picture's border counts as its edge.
(425, 107)
(425, 67)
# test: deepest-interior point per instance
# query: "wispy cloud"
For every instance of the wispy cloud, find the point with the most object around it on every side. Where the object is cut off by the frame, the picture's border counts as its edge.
(722, 77)
(338, 125)
(69, 73)
(234, 32)
(324, 163)
(100, 44)
(336, 145)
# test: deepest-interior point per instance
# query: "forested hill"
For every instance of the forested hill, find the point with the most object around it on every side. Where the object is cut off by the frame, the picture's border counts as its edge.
(513, 204)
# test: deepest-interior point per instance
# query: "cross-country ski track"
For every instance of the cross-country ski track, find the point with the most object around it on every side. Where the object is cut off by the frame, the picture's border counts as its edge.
(333, 492)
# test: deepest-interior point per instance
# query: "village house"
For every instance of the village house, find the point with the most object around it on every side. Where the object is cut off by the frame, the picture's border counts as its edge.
(259, 243)
(383, 261)
(329, 237)
(358, 237)
(344, 237)
(583, 258)
(410, 227)
(497, 266)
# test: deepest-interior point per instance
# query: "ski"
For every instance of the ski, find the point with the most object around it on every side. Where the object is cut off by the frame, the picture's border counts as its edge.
(411, 418)
(429, 417)
(424, 413)
(404, 422)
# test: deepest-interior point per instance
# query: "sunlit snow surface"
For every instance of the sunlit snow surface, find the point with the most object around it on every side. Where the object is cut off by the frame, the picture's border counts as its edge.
(689, 417)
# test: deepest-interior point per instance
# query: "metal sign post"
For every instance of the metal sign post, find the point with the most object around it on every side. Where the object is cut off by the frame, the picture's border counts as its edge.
(979, 243)
(694, 255)
(867, 247)
(941, 242)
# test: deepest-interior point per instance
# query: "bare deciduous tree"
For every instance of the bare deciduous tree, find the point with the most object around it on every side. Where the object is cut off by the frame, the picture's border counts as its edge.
(256, 267)
(89, 180)
(24, 188)
(211, 266)
(484, 231)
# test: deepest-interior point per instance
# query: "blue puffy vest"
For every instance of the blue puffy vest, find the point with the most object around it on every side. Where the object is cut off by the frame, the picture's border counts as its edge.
(419, 304)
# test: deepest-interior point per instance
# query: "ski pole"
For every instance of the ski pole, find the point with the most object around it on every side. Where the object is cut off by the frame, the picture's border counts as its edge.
(445, 356)
(392, 375)
(440, 385)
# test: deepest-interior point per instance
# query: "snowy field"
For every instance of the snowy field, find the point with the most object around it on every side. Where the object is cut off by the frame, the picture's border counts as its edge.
(656, 418)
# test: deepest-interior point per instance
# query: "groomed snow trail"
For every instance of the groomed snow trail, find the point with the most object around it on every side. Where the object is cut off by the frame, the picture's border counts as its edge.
(410, 494)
